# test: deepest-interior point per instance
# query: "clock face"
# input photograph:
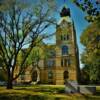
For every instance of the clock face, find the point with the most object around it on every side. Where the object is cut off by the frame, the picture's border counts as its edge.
(64, 24)
(65, 29)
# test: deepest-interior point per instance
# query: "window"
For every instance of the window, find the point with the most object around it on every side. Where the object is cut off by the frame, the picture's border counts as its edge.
(64, 50)
(50, 63)
(61, 37)
(52, 53)
(65, 62)
(66, 75)
(68, 62)
(62, 62)
(50, 74)
(98, 38)
(22, 76)
(65, 37)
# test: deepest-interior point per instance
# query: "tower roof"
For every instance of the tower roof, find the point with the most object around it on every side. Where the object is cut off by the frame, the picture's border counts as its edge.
(65, 12)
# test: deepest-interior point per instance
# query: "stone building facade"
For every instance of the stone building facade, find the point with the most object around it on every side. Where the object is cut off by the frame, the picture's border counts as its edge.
(63, 61)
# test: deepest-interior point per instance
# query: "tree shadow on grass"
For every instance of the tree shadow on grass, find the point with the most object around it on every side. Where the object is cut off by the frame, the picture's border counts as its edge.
(49, 90)
(95, 96)
(23, 97)
(97, 93)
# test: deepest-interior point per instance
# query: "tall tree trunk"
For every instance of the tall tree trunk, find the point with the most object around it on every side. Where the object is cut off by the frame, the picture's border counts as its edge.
(9, 80)
(9, 84)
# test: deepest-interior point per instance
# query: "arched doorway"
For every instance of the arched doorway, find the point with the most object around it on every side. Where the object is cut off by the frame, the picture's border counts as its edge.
(36, 75)
(66, 76)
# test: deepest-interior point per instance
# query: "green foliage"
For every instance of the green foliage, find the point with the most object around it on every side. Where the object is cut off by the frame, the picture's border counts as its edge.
(2, 75)
(33, 58)
(91, 7)
(91, 34)
(91, 56)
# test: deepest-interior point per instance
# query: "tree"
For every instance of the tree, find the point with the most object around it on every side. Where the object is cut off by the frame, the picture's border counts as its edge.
(90, 39)
(91, 56)
(91, 7)
(22, 25)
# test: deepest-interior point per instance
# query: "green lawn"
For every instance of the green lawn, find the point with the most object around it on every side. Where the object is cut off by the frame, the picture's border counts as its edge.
(43, 92)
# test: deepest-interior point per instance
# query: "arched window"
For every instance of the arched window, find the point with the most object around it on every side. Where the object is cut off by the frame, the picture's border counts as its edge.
(64, 50)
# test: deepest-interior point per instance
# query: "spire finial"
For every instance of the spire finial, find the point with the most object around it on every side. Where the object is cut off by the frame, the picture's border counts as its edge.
(65, 12)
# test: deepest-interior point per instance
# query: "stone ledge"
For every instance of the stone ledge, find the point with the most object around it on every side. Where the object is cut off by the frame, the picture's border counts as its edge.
(71, 87)
(87, 89)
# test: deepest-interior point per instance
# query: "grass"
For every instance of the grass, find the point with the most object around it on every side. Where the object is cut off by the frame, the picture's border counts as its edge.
(43, 92)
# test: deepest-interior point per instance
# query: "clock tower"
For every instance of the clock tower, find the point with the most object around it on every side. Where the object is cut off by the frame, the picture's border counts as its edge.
(67, 60)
